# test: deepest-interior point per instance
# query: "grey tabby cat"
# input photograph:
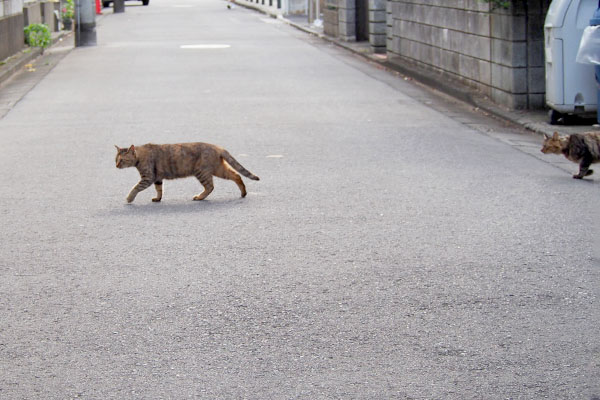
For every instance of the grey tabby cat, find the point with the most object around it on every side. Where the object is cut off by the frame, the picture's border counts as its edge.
(156, 162)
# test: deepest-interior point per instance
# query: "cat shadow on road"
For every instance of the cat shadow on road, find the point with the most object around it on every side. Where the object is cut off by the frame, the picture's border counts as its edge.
(175, 207)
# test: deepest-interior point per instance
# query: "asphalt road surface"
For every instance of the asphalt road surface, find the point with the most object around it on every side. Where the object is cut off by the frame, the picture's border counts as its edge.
(398, 245)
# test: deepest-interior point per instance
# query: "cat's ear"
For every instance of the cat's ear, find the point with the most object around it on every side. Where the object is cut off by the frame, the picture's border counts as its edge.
(117, 147)
(555, 136)
(546, 136)
(131, 149)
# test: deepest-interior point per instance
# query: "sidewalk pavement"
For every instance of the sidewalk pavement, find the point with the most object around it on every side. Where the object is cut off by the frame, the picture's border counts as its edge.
(533, 120)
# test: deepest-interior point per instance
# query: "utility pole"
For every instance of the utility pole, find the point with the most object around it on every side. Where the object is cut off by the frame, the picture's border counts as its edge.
(118, 6)
(85, 23)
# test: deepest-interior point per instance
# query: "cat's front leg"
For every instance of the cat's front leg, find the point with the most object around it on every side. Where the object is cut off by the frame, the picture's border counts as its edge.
(141, 185)
(584, 169)
(131, 195)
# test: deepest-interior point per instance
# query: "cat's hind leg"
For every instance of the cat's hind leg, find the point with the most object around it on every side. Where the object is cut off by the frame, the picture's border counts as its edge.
(159, 191)
(226, 172)
(206, 180)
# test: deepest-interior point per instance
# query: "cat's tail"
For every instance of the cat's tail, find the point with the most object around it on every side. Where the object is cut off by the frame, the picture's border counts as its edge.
(237, 166)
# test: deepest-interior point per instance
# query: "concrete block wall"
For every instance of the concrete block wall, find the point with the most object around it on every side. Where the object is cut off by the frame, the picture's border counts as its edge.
(11, 27)
(518, 55)
(330, 18)
(377, 25)
(347, 20)
(340, 21)
(48, 15)
(32, 13)
(499, 52)
(10, 7)
(41, 13)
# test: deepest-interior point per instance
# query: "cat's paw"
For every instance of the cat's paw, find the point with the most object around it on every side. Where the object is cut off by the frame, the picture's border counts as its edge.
(156, 200)
(589, 172)
(577, 177)
(130, 199)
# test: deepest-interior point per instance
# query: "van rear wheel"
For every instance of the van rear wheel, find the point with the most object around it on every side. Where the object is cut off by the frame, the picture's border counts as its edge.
(556, 117)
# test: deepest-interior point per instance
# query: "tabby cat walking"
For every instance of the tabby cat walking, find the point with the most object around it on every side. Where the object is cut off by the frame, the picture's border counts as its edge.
(582, 148)
(156, 162)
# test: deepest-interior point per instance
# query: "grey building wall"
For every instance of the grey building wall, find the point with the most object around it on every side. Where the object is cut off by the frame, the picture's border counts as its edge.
(33, 13)
(49, 15)
(499, 52)
(11, 27)
(340, 20)
(347, 19)
(331, 18)
(378, 25)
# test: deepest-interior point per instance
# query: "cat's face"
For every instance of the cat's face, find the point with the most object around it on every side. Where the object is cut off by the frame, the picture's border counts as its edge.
(125, 157)
(553, 144)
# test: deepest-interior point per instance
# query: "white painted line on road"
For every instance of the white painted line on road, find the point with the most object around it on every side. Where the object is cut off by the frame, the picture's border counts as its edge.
(204, 46)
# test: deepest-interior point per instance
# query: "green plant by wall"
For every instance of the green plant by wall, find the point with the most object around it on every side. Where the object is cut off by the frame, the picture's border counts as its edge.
(38, 35)
(68, 9)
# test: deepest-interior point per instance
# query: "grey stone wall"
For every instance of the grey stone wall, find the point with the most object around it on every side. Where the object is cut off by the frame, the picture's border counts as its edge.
(377, 25)
(12, 38)
(518, 75)
(340, 20)
(347, 20)
(10, 7)
(41, 13)
(48, 15)
(32, 13)
(330, 18)
(11, 27)
(499, 52)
